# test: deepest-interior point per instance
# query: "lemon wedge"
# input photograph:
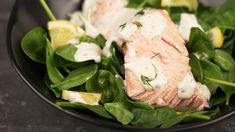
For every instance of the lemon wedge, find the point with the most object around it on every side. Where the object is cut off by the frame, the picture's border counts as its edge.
(216, 37)
(192, 5)
(81, 97)
(61, 32)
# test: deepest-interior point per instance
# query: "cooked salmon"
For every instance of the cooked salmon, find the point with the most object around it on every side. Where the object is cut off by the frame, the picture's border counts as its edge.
(157, 68)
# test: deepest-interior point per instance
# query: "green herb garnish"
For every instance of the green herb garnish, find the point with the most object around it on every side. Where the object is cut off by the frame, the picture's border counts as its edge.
(122, 26)
(138, 24)
(146, 80)
(140, 13)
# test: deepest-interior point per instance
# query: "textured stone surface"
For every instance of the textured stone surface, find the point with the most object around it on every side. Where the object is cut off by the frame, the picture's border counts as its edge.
(22, 111)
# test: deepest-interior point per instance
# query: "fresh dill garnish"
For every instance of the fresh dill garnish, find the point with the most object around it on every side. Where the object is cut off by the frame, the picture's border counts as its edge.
(138, 24)
(146, 80)
(140, 13)
(122, 26)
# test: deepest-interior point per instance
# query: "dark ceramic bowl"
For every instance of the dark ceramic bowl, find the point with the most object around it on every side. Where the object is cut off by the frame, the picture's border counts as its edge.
(27, 14)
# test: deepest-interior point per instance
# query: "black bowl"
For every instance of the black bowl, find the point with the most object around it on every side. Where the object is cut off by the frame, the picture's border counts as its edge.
(27, 14)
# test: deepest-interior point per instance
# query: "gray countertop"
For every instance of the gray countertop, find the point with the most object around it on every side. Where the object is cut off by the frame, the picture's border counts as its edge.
(23, 111)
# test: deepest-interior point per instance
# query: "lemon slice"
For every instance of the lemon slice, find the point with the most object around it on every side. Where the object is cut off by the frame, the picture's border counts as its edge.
(216, 37)
(61, 32)
(81, 97)
(192, 5)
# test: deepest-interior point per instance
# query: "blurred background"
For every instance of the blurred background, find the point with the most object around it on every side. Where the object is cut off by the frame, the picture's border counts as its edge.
(23, 111)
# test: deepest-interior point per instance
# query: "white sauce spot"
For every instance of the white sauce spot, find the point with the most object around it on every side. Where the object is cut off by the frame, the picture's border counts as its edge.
(146, 67)
(127, 31)
(187, 87)
(153, 23)
(88, 51)
(204, 91)
(187, 22)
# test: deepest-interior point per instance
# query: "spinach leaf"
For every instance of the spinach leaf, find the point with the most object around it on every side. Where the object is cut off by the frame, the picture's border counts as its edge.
(98, 109)
(53, 72)
(67, 52)
(187, 117)
(119, 111)
(152, 118)
(48, 83)
(104, 82)
(217, 99)
(224, 60)
(117, 58)
(136, 3)
(143, 3)
(229, 41)
(211, 70)
(77, 77)
(195, 64)
(122, 97)
(33, 44)
(202, 45)
(106, 64)
(229, 90)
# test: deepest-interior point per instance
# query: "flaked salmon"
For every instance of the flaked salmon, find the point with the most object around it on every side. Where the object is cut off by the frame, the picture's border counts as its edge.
(157, 68)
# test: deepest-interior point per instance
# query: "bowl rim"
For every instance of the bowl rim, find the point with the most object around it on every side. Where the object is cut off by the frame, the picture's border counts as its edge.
(84, 117)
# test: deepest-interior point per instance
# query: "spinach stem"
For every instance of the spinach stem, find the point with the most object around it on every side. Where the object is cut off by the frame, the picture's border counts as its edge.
(200, 116)
(47, 9)
(220, 82)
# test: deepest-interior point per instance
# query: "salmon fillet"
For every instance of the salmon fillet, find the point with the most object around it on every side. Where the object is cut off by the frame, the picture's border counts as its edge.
(157, 68)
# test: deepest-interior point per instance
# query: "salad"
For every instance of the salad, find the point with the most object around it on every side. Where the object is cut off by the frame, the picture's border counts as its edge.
(143, 63)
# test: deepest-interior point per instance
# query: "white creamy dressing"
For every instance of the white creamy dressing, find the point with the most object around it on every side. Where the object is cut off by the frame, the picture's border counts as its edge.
(88, 51)
(111, 27)
(153, 23)
(144, 66)
(187, 22)
(187, 87)
(204, 91)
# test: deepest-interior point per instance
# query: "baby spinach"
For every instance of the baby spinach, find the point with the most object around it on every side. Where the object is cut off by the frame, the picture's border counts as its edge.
(152, 118)
(98, 109)
(224, 60)
(120, 112)
(211, 70)
(53, 72)
(33, 44)
(117, 58)
(104, 82)
(195, 64)
(106, 64)
(122, 97)
(67, 52)
(186, 117)
(202, 45)
(48, 83)
(143, 3)
(229, 41)
(77, 77)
